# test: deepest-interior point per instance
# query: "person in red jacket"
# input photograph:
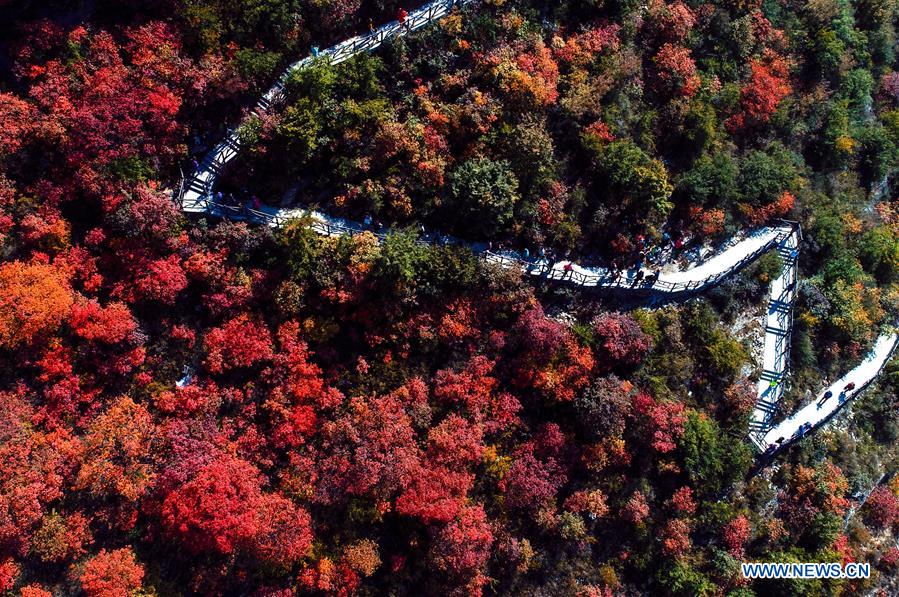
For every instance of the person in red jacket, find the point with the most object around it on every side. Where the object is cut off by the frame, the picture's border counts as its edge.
(401, 15)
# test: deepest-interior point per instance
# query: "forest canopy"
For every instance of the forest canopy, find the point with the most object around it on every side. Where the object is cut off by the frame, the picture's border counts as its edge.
(192, 405)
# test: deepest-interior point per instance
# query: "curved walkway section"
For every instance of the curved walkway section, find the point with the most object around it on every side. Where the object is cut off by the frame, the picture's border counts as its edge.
(830, 400)
(203, 180)
(196, 197)
(707, 274)
(734, 257)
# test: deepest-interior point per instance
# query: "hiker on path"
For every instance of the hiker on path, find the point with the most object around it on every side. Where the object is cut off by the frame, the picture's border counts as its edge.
(824, 398)
(401, 15)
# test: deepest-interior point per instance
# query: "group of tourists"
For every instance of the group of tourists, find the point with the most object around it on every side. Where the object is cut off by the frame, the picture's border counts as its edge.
(807, 426)
(230, 200)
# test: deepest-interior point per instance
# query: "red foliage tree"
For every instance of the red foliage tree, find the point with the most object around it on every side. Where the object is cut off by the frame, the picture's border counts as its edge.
(9, 572)
(34, 591)
(890, 559)
(592, 503)
(461, 549)
(215, 510)
(682, 501)
(531, 483)
(676, 537)
(475, 387)
(189, 399)
(580, 49)
(37, 467)
(636, 510)
(161, 280)
(436, 494)
(18, 118)
(440, 487)
(662, 421)
(371, 450)
(284, 532)
(112, 574)
(241, 342)
(109, 324)
(550, 361)
(780, 207)
(600, 132)
(152, 216)
(668, 22)
(676, 70)
(619, 340)
(736, 533)
(298, 390)
(882, 508)
(455, 442)
(812, 491)
(330, 578)
(767, 86)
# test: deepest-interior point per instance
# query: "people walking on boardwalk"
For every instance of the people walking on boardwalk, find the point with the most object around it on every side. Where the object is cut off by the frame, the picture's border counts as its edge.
(315, 51)
(824, 398)
(401, 15)
(849, 387)
(371, 26)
